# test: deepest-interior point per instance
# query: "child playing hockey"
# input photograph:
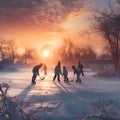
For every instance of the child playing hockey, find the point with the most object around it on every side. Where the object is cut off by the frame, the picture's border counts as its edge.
(35, 72)
(65, 74)
(77, 72)
(57, 73)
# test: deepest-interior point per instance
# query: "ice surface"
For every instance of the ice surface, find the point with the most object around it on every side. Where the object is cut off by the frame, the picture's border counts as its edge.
(60, 100)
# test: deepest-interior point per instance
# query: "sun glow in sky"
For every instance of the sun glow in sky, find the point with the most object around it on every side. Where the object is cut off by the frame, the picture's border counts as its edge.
(39, 23)
(45, 53)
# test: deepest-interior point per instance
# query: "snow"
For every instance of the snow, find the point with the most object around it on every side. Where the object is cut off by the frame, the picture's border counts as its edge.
(60, 100)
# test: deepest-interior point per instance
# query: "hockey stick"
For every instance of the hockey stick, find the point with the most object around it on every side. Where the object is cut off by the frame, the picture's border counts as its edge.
(72, 79)
(41, 78)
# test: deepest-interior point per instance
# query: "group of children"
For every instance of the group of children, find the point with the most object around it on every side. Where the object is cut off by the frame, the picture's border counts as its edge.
(57, 72)
(77, 70)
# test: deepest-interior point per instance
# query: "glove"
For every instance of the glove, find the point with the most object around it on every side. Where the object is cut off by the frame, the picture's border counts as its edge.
(37, 74)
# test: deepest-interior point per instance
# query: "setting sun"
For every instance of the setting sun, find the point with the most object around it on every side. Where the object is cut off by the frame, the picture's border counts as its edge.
(45, 53)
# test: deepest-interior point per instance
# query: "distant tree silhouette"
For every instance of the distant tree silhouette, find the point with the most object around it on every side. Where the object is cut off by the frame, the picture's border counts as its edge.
(7, 50)
(29, 56)
(72, 52)
(12, 51)
(108, 23)
(88, 53)
(69, 50)
(2, 45)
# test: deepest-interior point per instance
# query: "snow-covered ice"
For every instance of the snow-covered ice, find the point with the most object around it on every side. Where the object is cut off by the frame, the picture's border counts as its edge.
(62, 101)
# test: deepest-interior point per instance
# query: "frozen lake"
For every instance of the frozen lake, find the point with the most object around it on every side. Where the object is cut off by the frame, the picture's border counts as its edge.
(64, 101)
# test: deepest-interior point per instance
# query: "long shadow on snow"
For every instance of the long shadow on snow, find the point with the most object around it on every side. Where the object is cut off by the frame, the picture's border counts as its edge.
(81, 97)
(75, 101)
(25, 92)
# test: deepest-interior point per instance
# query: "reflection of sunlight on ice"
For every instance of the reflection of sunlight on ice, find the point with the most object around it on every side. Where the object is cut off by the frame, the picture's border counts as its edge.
(61, 98)
(20, 80)
(45, 86)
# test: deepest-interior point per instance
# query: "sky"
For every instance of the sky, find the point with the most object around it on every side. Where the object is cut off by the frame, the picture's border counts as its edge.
(40, 23)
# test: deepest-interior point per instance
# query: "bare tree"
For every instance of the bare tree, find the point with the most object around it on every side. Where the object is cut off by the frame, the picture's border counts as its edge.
(68, 51)
(30, 55)
(72, 52)
(108, 23)
(11, 51)
(2, 46)
(88, 53)
(7, 50)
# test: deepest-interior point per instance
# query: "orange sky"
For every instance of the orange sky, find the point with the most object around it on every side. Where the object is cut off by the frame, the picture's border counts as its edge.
(51, 30)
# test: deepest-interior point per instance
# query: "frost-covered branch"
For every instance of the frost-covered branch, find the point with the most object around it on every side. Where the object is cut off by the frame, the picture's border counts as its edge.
(105, 111)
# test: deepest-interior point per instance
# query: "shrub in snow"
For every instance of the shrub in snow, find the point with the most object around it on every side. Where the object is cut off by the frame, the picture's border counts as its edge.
(105, 111)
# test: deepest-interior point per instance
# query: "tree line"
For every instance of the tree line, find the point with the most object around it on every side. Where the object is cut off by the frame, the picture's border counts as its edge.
(9, 54)
(107, 22)
(68, 51)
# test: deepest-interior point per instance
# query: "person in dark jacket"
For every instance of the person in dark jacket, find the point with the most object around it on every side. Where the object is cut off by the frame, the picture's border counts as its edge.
(65, 74)
(77, 72)
(80, 66)
(35, 72)
(57, 73)
(59, 65)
